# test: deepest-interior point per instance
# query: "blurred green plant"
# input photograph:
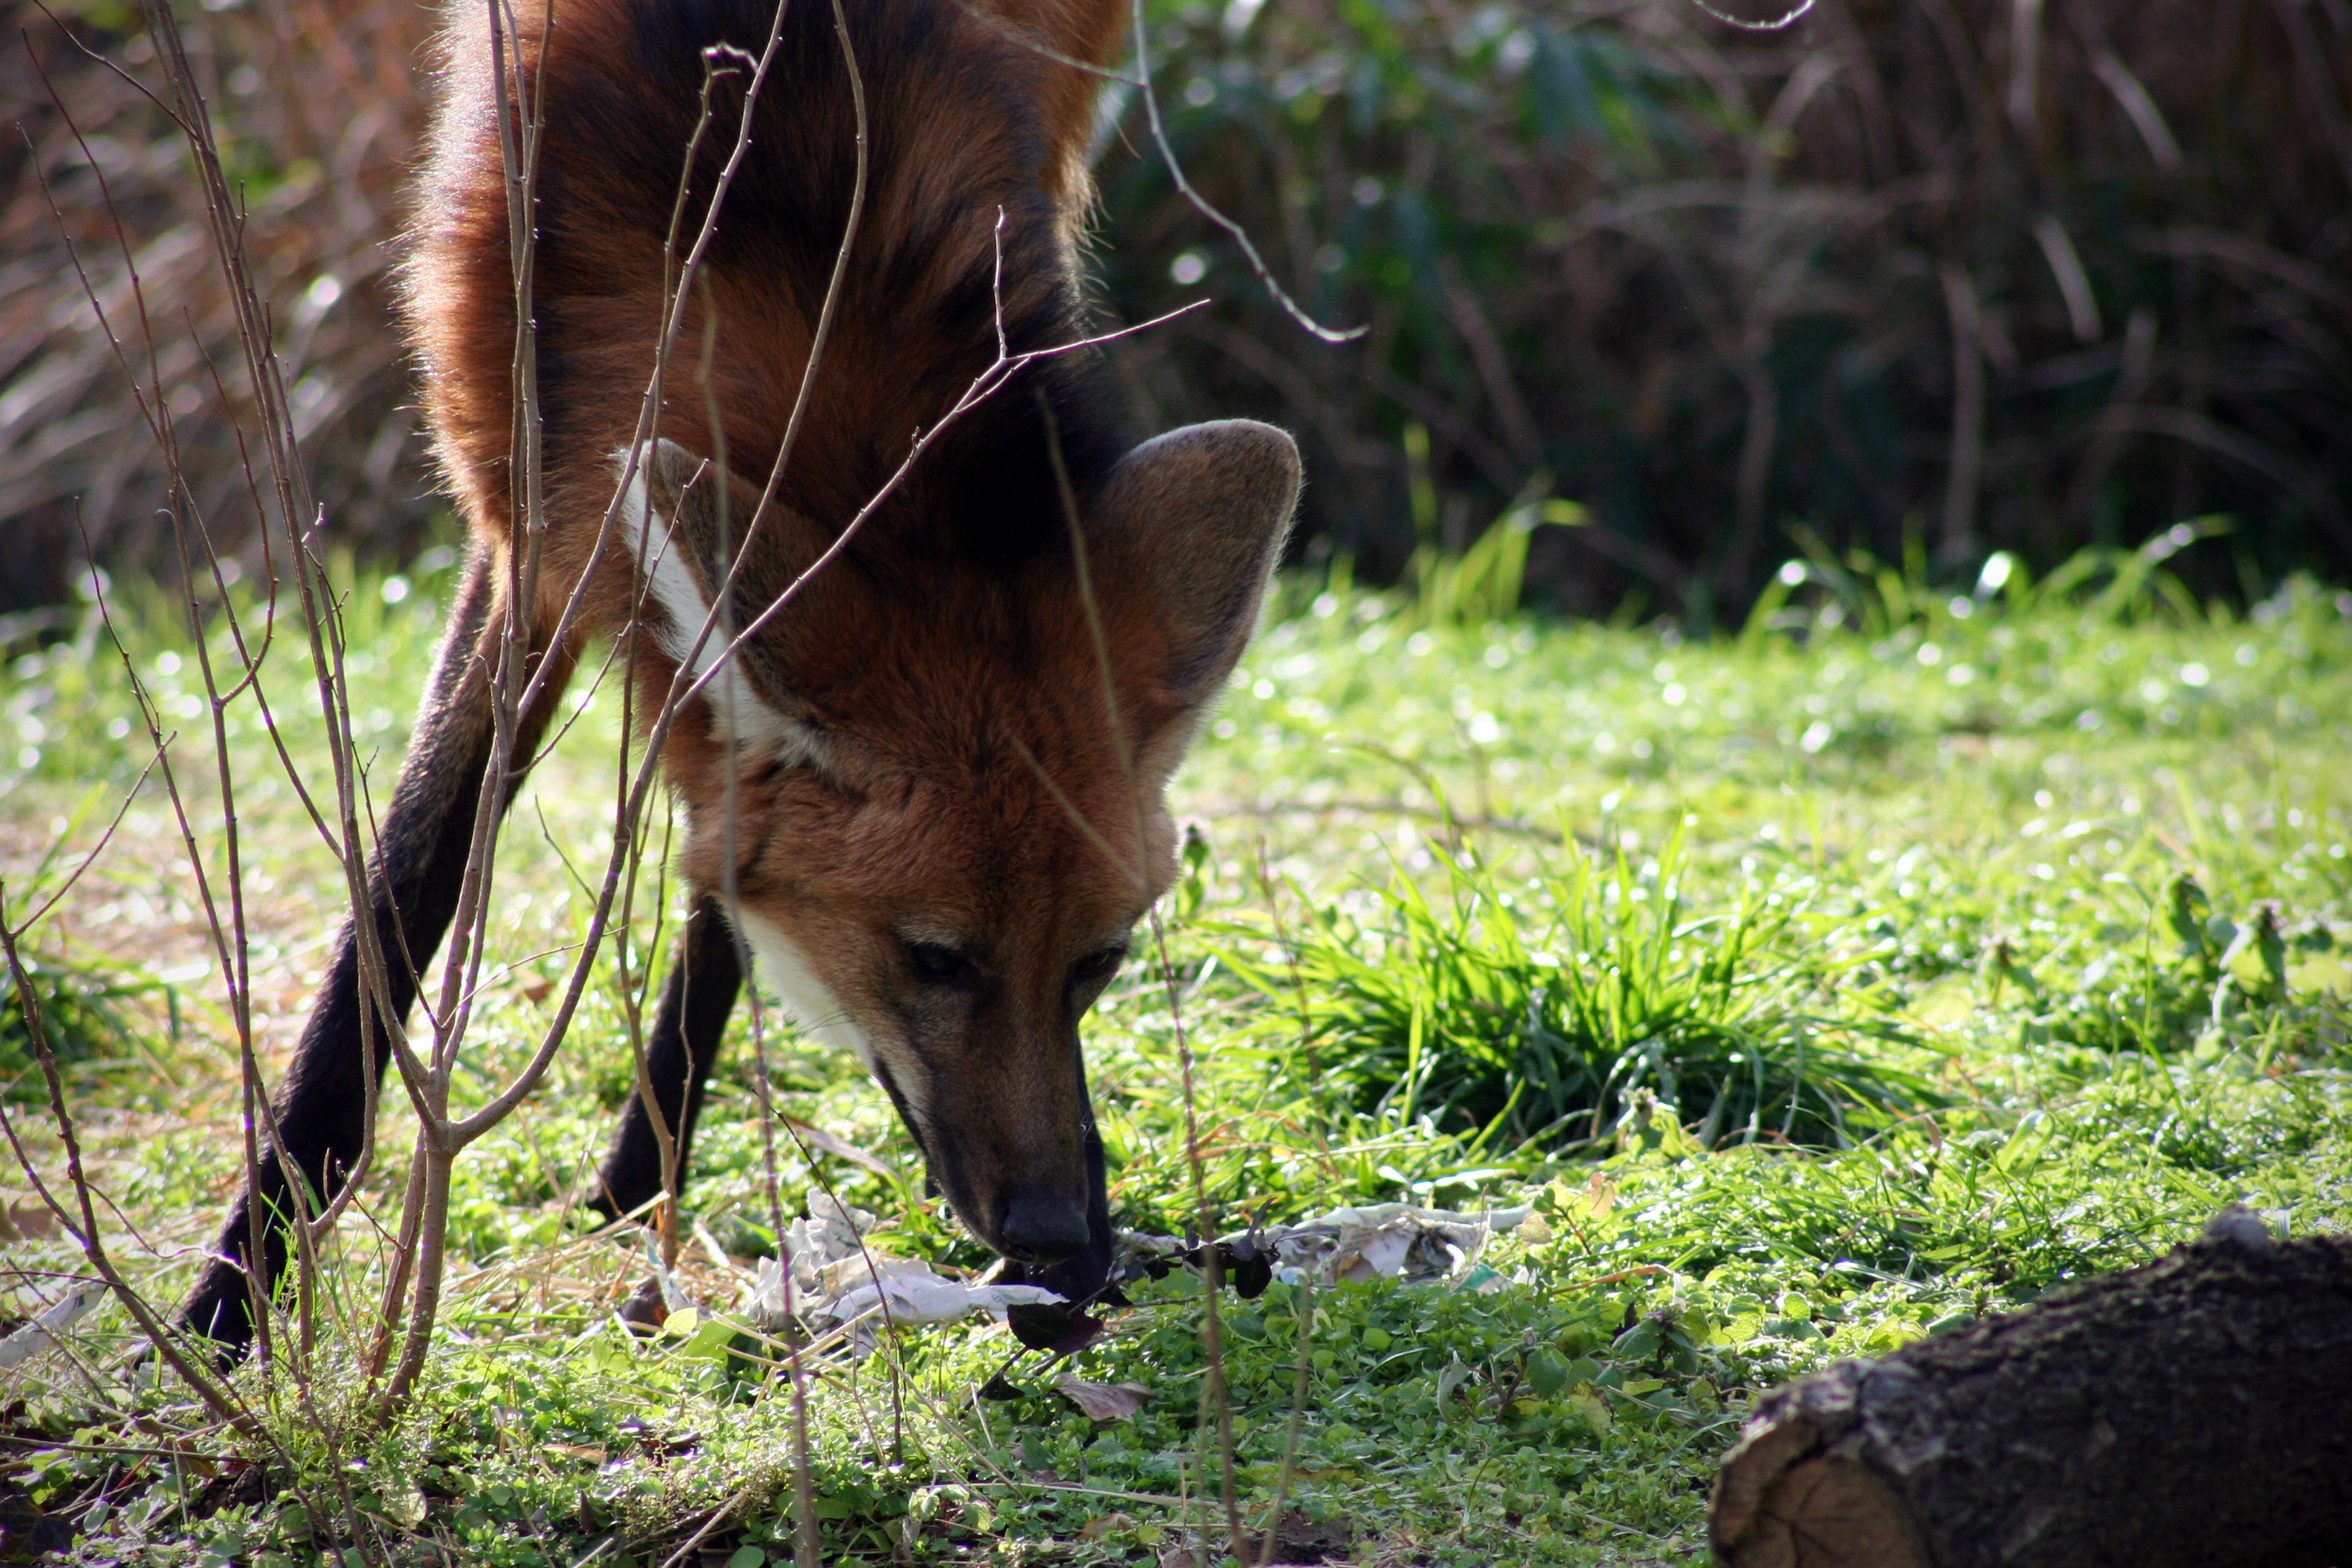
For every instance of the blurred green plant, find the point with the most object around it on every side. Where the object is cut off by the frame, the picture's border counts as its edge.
(2096, 585)
(1484, 583)
(86, 1013)
(2017, 279)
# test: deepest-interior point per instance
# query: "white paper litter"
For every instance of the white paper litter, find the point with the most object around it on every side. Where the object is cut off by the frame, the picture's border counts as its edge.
(838, 1279)
(920, 1296)
(1370, 1241)
(54, 1320)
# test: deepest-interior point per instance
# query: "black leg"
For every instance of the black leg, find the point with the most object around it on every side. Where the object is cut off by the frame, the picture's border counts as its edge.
(695, 1003)
(420, 863)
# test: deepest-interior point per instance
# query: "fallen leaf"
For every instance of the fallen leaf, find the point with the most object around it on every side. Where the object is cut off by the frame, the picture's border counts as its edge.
(1452, 1377)
(1104, 1524)
(26, 1221)
(1315, 1540)
(1102, 1401)
(576, 1451)
(834, 1144)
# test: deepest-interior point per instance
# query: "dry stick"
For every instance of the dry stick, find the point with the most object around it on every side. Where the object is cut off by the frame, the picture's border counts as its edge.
(1119, 736)
(518, 159)
(823, 332)
(808, 1549)
(718, 1516)
(674, 309)
(453, 1136)
(634, 991)
(160, 426)
(84, 1231)
(526, 526)
(235, 949)
(1306, 1308)
(1214, 1385)
(640, 786)
(1201, 203)
(1298, 1382)
(396, 1272)
(675, 279)
(266, 373)
(1019, 37)
(983, 385)
(74, 875)
(513, 696)
(189, 113)
(249, 1069)
(632, 997)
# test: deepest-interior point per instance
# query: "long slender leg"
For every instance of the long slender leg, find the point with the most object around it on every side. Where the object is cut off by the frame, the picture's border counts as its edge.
(420, 862)
(695, 1003)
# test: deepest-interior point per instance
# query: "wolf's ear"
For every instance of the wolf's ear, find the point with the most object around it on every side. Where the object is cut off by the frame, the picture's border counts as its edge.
(1192, 523)
(684, 533)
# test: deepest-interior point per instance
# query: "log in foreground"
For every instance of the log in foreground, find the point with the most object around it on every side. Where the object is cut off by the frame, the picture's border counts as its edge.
(2195, 1413)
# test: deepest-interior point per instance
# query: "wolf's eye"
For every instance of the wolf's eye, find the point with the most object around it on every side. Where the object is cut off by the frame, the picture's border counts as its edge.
(936, 964)
(1096, 968)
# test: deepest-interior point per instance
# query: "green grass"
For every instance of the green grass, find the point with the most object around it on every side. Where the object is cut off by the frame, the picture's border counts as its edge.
(1826, 985)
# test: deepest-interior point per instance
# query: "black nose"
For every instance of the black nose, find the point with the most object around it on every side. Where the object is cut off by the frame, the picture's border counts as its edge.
(1044, 1229)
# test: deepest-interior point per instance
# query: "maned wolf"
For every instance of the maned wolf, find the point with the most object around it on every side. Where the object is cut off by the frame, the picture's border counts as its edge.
(937, 772)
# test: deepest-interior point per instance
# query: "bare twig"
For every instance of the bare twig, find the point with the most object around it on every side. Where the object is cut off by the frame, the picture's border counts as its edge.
(1202, 204)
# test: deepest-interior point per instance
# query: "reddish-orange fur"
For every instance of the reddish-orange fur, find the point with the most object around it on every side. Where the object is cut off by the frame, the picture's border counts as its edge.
(931, 804)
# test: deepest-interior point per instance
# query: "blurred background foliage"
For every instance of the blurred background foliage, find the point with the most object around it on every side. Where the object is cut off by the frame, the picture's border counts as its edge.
(1679, 299)
(317, 105)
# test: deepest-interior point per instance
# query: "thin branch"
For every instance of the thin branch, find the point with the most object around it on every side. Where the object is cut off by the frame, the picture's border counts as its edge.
(1202, 204)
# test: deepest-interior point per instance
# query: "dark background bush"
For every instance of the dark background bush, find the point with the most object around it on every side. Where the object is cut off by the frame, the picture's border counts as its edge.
(316, 103)
(1927, 278)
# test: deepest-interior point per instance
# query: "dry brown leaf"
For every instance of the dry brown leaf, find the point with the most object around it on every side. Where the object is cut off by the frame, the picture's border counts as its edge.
(1102, 1401)
(26, 1221)
(834, 1144)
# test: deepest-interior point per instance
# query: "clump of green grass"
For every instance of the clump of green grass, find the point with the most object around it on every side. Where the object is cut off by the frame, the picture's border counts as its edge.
(83, 1006)
(1536, 1008)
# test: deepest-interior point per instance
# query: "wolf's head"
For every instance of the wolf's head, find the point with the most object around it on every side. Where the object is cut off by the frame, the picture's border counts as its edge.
(934, 796)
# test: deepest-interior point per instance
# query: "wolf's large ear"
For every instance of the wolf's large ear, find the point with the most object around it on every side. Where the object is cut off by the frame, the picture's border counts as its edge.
(683, 534)
(1192, 523)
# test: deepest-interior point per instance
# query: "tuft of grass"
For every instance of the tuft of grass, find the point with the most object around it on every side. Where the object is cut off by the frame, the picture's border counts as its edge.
(89, 1009)
(1536, 1009)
